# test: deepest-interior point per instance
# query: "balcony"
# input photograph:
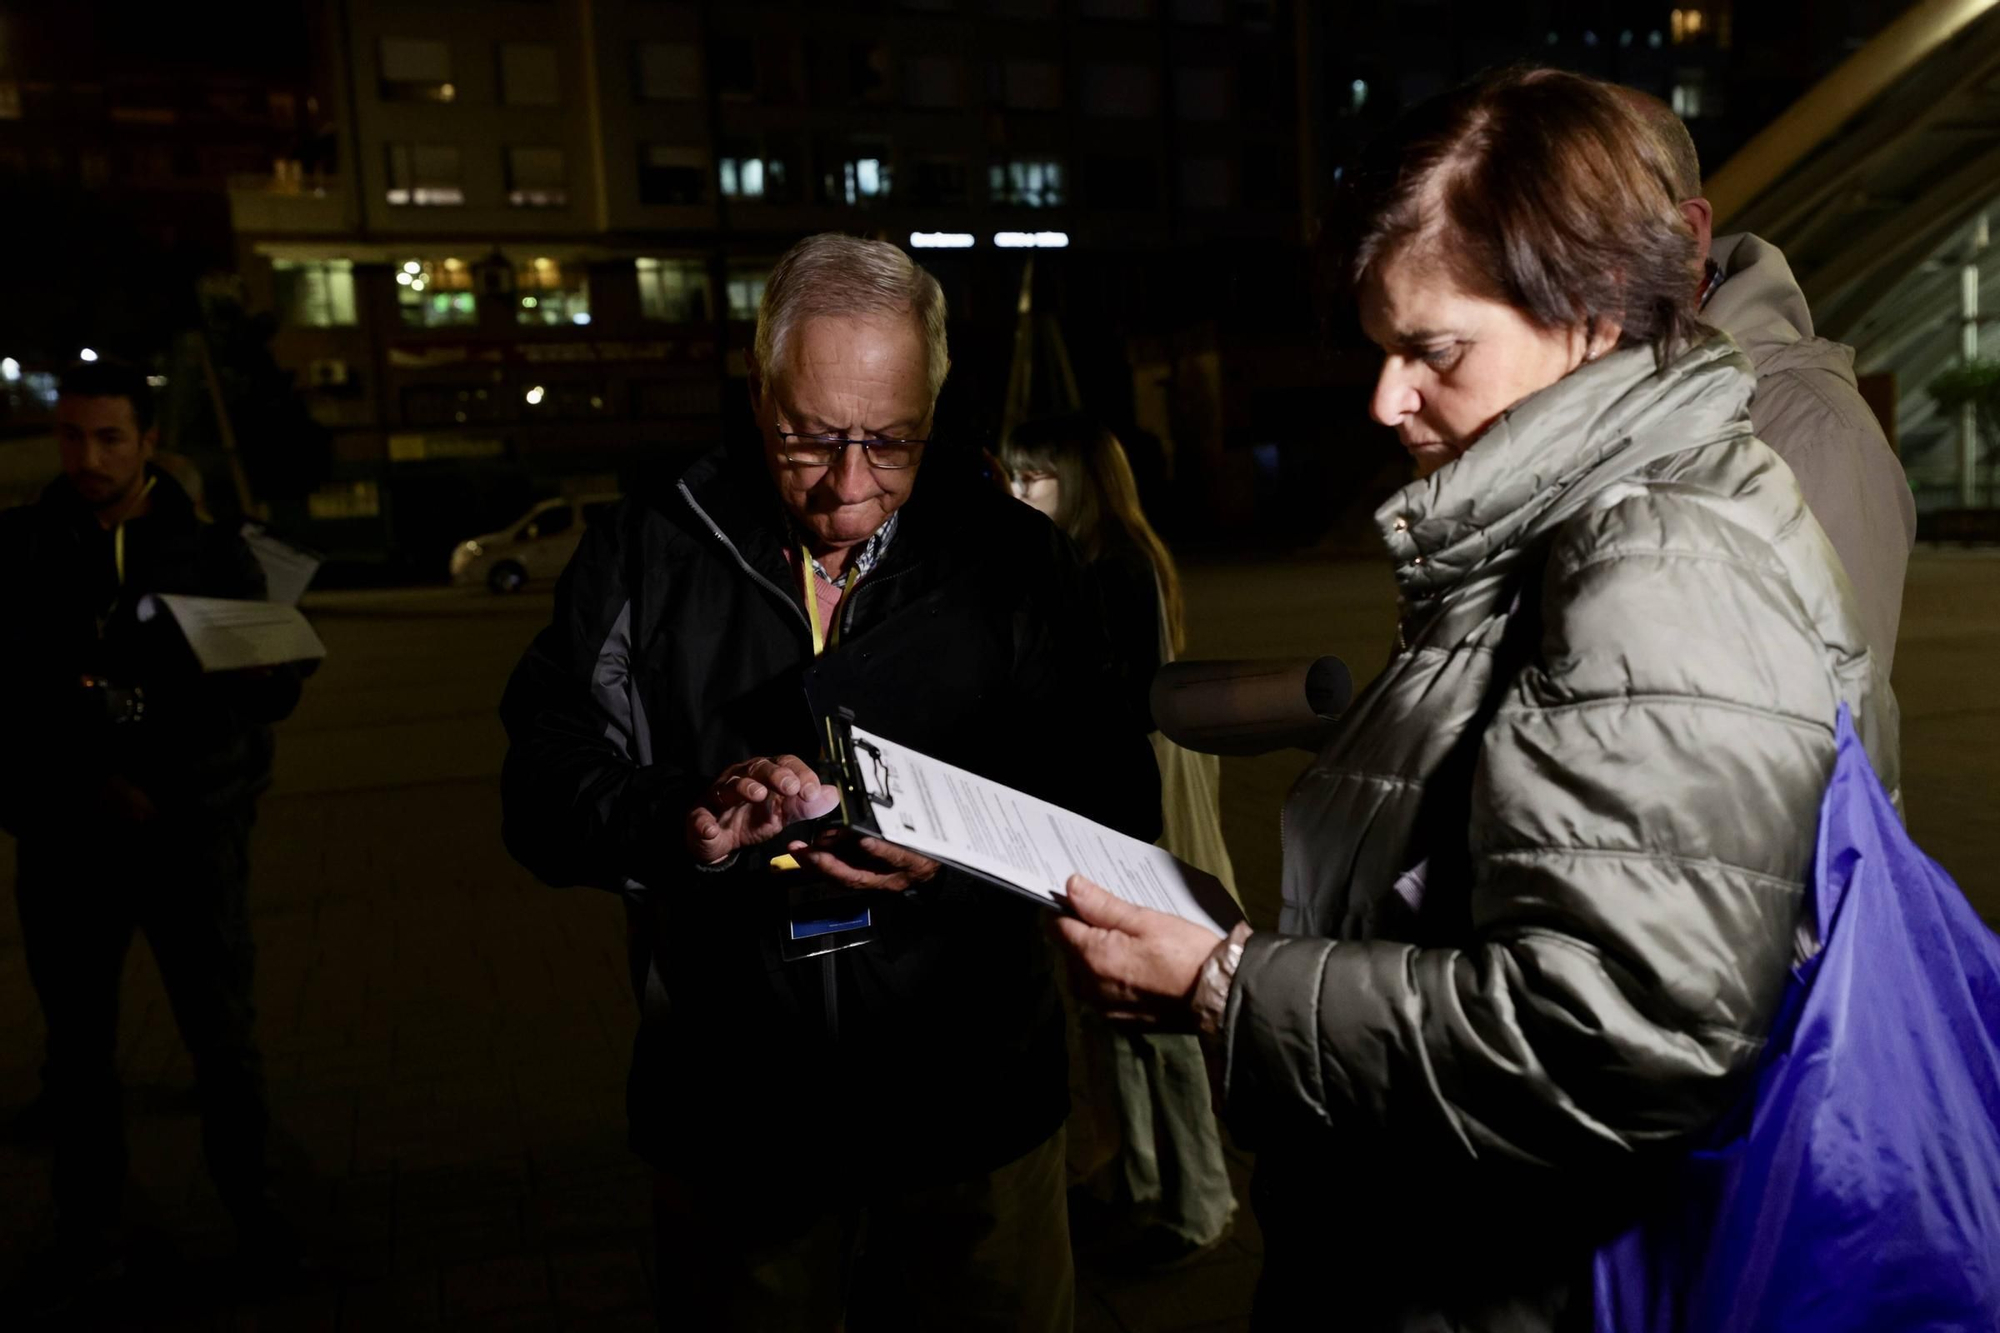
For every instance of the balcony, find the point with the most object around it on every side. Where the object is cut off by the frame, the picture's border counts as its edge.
(288, 203)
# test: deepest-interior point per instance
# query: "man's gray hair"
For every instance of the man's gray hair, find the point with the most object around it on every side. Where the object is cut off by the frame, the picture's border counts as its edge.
(835, 274)
(1673, 136)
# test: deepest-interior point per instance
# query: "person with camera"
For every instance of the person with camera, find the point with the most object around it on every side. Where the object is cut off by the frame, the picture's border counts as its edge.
(131, 782)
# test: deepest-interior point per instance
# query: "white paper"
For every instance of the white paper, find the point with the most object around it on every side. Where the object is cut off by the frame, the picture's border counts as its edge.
(287, 569)
(229, 635)
(952, 815)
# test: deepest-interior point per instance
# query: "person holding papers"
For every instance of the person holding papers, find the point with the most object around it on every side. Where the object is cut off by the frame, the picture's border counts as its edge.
(131, 780)
(1542, 886)
(850, 1070)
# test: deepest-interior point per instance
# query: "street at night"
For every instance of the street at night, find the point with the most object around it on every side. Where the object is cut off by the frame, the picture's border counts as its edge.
(935, 875)
(447, 1039)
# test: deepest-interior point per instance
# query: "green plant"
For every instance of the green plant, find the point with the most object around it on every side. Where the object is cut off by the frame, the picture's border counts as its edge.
(1976, 382)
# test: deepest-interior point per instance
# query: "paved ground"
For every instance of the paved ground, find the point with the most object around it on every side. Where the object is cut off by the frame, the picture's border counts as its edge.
(447, 1039)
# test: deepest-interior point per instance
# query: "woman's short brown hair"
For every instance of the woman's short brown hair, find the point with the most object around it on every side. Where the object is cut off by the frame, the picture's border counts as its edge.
(1538, 188)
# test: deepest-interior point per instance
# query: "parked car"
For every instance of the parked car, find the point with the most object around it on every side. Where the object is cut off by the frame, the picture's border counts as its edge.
(536, 546)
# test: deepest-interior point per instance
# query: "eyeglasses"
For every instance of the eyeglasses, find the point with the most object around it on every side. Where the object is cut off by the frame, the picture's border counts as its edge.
(825, 450)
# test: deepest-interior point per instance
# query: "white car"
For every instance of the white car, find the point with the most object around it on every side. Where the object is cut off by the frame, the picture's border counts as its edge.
(536, 546)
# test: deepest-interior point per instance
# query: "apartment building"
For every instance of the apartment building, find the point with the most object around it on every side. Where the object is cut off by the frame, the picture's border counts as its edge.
(552, 220)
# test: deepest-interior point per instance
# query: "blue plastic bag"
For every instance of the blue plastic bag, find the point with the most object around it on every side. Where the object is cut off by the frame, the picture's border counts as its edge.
(1859, 1189)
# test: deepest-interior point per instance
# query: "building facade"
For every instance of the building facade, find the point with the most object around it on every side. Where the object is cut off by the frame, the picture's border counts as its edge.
(541, 255)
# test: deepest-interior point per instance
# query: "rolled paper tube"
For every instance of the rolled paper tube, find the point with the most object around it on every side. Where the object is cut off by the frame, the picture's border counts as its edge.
(1241, 707)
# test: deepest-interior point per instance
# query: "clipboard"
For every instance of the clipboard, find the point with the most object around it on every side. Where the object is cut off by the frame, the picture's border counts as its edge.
(1009, 839)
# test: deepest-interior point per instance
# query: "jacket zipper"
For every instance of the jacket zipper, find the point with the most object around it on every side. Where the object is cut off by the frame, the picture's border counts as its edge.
(829, 979)
(730, 546)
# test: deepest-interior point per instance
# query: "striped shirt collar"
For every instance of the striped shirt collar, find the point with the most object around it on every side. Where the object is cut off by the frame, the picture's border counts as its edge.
(862, 561)
(1711, 278)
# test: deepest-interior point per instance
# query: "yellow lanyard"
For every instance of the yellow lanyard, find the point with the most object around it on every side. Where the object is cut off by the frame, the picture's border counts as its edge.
(118, 534)
(829, 634)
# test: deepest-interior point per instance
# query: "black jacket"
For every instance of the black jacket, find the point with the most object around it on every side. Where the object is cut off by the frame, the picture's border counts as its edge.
(204, 742)
(680, 646)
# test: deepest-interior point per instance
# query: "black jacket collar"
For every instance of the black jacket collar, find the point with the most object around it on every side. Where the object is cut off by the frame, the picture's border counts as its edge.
(168, 508)
(948, 513)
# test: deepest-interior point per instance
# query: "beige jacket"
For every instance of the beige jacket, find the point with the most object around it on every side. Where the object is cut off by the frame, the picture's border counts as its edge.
(1809, 412)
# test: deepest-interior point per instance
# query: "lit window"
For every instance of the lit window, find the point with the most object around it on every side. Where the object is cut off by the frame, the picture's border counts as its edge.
(1687, 25)
(746, 292)
(345, 499)
(528, 74)
(536, 178)
(1691, 99)
(549, 292)
(751, 177)
(858, 180)
(667, 72)
(671, 175)
(414, 70)
(424, 174)
(314, 293)
(436, 293)
(1027, 184)
(1357, 95)
(673, 291)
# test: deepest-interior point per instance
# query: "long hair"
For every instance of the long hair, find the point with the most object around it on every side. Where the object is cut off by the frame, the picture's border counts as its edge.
(1097, 499)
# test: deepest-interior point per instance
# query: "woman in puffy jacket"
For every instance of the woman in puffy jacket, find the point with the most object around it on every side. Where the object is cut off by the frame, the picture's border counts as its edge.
(1543, 887)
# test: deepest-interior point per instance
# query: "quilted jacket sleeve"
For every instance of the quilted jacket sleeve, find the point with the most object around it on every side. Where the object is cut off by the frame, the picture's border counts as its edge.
(1642, 820)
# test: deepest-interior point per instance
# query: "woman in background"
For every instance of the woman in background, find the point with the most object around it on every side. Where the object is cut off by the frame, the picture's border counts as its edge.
(1169, 1168)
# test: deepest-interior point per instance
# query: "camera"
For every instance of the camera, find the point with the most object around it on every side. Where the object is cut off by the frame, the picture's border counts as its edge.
(112, 702)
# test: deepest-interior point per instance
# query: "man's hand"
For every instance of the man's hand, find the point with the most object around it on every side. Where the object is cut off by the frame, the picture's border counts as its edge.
(863, 862)
(753, 802)
(1137, 965)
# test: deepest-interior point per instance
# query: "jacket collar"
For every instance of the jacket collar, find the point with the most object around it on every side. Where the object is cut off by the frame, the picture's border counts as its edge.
(168, 504)
(731, 488)
(1549, 455)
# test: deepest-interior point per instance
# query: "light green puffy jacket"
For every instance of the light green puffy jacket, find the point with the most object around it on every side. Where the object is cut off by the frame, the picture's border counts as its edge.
(1543, 886)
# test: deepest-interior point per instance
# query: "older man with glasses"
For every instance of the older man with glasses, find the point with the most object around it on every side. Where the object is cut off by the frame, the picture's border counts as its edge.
(850, 1069)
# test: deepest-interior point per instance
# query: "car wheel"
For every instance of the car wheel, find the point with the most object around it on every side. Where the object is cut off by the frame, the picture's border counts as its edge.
(507, 577)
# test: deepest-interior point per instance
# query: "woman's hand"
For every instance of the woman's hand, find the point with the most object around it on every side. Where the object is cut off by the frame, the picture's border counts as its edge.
(1137, 965)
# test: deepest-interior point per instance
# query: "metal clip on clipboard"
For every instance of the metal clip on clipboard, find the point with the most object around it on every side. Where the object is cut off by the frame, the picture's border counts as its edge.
(820, 921)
